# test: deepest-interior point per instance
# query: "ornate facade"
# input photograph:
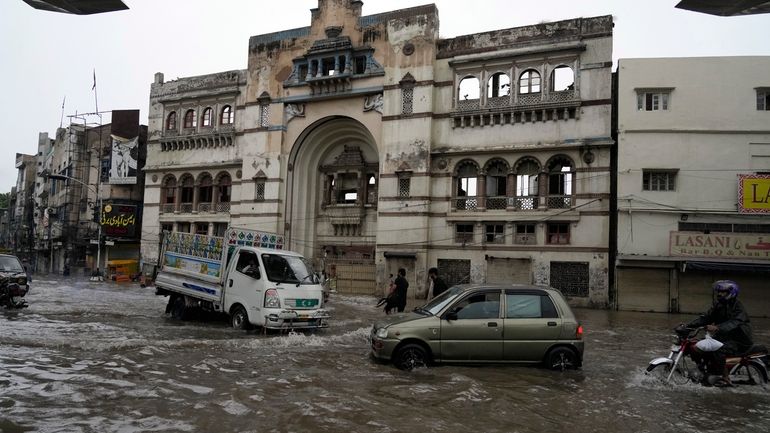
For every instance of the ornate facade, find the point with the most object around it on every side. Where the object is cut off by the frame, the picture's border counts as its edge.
(370, 139)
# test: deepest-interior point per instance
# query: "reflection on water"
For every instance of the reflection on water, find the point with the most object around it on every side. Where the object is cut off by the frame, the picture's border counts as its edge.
(99, 357)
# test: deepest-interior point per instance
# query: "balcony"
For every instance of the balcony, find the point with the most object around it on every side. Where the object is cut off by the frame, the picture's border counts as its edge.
(510, 109)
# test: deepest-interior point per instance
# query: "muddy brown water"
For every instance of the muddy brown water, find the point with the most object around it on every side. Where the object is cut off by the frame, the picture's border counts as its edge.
(102, 357)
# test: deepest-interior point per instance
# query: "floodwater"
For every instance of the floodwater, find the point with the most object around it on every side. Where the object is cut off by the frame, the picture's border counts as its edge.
(102, 357)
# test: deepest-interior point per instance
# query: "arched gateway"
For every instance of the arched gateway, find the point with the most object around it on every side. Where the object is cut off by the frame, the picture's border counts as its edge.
(331, 204)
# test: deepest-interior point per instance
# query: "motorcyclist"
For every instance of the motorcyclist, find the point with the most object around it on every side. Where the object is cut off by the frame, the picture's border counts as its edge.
(728, 323)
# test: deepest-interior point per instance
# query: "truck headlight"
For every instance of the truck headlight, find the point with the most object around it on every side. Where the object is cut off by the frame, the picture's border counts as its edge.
(271, 299)
(382, 333)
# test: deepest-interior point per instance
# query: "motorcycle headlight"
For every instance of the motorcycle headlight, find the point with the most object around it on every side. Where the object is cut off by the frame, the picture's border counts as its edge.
(382, 333)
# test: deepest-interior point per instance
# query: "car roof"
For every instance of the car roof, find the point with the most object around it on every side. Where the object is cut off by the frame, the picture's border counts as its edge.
(521, 287)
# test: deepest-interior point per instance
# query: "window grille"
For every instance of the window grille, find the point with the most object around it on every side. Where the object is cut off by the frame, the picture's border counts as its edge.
(407, 97)
(259, 194)
(658, 180)
(264, 115)
(404, 186)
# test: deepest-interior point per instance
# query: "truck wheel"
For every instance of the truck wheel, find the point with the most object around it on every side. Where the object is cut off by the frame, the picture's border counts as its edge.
(240, 318)
(179, 309)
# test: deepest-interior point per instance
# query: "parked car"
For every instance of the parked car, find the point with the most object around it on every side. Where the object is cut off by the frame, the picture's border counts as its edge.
(483, 323)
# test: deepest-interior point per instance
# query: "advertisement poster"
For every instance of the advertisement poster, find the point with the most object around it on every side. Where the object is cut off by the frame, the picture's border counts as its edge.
(125, 153)
(754, 193)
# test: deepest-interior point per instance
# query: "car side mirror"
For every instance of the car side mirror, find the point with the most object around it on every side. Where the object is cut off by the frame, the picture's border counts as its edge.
(450, 316)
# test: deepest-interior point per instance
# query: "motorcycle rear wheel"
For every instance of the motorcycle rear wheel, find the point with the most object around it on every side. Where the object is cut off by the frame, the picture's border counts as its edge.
(749, 374)
(681, 374)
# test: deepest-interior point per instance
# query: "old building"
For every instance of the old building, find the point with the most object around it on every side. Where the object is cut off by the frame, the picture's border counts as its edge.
(371, 144)
(693, 180)
(89, 197)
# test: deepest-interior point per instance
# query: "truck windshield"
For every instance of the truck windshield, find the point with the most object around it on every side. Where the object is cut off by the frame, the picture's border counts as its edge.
(288, 269)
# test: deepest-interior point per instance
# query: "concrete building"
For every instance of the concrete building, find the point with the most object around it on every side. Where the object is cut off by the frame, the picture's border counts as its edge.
(693, 179)
(372, 144)
(88, 197)
(22, 205)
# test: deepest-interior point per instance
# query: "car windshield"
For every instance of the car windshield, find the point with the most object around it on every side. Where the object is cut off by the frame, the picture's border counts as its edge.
(288, 269)
(10, 264)
(439, 302)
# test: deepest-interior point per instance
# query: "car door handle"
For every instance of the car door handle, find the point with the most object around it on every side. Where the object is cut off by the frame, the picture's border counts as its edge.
(492, 324)
(551, 323)
(231, 283)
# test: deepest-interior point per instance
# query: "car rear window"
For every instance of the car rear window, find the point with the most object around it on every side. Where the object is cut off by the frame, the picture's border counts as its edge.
(529, 306)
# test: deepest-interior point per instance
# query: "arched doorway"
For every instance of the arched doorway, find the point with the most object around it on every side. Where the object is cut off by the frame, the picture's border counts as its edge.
(331, 204)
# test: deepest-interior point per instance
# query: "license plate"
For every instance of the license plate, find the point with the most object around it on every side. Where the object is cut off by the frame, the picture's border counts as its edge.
(305, 303)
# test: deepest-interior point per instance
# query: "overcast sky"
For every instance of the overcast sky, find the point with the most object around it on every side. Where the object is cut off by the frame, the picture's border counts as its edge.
(48, 56)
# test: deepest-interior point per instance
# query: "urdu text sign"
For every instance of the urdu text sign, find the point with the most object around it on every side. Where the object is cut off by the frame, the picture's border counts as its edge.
(754, 193)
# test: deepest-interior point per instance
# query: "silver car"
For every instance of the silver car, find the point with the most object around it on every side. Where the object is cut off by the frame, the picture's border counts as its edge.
(483, 324)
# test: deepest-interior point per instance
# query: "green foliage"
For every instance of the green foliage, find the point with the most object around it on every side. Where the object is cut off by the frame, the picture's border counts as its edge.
(4, 196)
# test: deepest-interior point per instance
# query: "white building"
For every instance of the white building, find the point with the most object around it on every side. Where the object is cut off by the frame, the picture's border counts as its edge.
(693, 166)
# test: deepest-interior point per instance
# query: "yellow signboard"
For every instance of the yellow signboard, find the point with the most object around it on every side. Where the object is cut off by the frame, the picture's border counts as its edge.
(754, 193)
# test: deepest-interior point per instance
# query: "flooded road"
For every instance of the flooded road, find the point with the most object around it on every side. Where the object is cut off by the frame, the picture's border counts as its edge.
(101, 357)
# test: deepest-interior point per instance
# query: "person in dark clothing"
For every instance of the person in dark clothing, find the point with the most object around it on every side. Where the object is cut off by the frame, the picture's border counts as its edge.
(401, 286)
(437, 285)
(728, 323)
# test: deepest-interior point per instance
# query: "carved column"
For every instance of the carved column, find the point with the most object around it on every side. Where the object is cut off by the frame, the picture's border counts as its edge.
(510, 190)
(481, 191)
(177, 198)
(542, 189)
(196, 196)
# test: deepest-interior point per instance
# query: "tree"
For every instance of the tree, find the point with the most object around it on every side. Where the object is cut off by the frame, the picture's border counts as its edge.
(4, 196)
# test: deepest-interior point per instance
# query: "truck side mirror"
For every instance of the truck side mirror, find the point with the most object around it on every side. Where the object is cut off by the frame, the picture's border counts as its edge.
(452, 315)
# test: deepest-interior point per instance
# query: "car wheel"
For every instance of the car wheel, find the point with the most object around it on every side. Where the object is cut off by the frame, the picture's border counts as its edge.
(561, 358)
(411, 356)
(240, 318)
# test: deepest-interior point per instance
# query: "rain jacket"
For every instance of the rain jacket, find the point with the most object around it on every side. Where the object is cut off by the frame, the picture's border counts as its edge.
(733, 323)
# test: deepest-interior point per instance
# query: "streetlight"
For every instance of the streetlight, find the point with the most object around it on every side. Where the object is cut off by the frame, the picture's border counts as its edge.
(99, 219)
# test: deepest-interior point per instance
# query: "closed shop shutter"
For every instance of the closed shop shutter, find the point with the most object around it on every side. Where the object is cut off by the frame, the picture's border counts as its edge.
(509, 271)
(695, 291)
(643, 289)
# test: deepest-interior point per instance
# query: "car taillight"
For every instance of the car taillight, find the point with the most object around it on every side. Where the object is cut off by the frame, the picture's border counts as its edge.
(579, 332)
(271, 299)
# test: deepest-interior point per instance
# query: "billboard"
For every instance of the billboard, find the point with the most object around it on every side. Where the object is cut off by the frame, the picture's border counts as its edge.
(125, 153)
(119, 220)
(754, 193)
(720, 245)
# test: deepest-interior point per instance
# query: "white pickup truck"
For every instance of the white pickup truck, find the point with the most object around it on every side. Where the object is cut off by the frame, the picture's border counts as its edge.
(246, 275)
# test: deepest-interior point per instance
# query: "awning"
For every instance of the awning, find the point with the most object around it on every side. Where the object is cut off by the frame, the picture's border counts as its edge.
(399, 254)
(726, 266)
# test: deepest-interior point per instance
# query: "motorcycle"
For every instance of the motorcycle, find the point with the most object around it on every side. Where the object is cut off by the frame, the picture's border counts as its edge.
(12, 294)
(680, 367)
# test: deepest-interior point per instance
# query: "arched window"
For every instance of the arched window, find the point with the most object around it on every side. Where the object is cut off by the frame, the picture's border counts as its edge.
(171, 121)
(205, 193)
(168, 194)
(498, 85)
(562, 78)
(469, 88)
(226, 117)
(371, 188)
(465, 185)
(189, 119)
(529, 82)
(560, 175)
(187, 191)
(527, 184)
(497, 176)
(206, 118)
(223, 192)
